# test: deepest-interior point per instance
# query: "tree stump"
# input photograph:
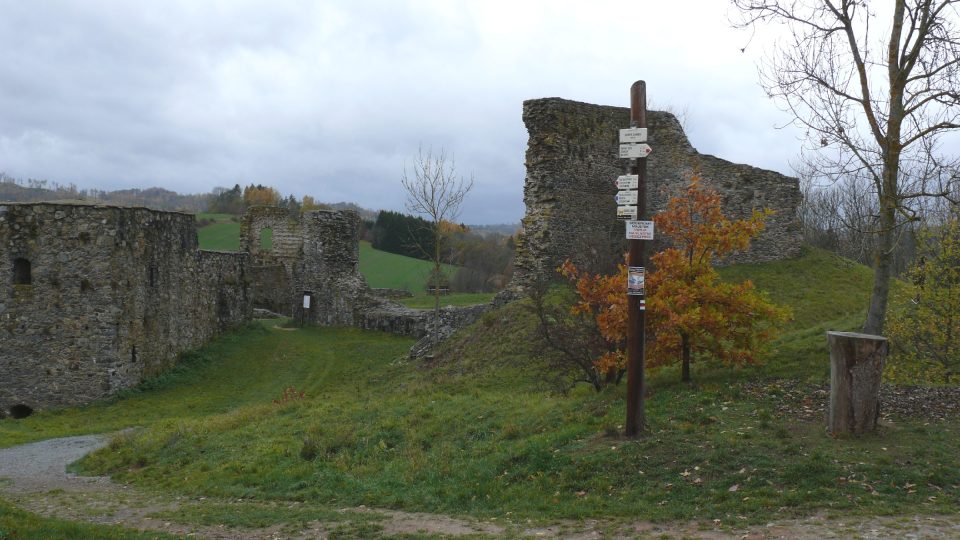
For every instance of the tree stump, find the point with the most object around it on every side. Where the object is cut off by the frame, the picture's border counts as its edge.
(856, 365)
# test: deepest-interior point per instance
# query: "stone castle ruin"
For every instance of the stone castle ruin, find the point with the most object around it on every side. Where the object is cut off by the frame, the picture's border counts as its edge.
(572, 162)
(95, 298)
(311, 270)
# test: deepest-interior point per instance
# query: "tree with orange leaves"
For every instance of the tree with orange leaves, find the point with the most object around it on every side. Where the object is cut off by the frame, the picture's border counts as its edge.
(689, 309)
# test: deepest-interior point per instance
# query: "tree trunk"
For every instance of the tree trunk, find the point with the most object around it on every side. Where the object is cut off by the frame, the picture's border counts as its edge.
(882, 259)
(856, 364)
(685, 356)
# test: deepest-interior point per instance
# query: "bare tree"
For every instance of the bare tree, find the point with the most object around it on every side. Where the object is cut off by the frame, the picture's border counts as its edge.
(873, 107)
(436, 191)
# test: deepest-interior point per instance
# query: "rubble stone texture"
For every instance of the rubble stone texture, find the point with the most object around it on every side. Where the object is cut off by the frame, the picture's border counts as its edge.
(110, 295)
(572, 163)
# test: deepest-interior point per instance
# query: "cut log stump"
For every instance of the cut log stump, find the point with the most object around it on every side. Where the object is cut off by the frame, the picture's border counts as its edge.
(856, 365)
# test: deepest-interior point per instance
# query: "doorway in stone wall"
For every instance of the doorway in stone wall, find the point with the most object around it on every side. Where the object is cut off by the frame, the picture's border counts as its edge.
(306, 311)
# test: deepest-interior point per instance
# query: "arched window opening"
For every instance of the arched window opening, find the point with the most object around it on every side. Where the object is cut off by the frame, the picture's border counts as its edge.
(21, 272)
(266, 240)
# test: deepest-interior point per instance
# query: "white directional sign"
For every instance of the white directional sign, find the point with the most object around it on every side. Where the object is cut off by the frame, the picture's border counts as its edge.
(639, 230)
(626, 212)
(628, 181)
(626, 197)
(633, 135)
(629, 150)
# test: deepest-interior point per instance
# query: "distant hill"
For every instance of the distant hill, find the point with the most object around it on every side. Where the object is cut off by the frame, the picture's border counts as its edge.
(31, 190)
(13, 190)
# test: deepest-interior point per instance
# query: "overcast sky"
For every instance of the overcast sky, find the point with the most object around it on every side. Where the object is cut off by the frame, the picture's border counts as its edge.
(328, 98)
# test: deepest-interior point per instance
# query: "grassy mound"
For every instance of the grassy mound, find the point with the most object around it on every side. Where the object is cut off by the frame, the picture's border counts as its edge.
(480, 433)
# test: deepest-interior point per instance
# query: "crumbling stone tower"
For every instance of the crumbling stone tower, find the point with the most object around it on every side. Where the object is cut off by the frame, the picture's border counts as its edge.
(313, 260)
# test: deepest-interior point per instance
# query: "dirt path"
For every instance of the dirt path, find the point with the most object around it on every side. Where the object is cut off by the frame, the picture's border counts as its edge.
(34, 477)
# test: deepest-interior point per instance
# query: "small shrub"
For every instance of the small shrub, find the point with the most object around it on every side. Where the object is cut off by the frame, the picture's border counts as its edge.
(289, 395)
(309, 450)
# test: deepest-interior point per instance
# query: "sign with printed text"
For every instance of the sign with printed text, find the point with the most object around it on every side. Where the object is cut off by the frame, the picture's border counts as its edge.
(633, 135)
(635, 281)
(628, 181)
(626, 212)
(626, 197)
(639, 230)
(630, 150)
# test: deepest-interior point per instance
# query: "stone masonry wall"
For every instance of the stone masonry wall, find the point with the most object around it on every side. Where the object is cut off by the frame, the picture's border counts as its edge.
(330, 269)
(272, 270)
(572, 162)
(114, 294)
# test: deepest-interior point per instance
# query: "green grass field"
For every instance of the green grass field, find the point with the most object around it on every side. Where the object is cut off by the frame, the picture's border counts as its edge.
(221, 233)
(379, 268)
(481, 434)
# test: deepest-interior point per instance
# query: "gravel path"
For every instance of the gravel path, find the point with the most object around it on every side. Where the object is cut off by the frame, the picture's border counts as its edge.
(41, 466)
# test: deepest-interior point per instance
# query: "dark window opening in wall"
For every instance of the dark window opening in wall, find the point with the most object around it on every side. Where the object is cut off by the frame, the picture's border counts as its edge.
(85, 285)
(20, 411)
(266, 240)
(21, 272)
(133, 354)
(153, 275)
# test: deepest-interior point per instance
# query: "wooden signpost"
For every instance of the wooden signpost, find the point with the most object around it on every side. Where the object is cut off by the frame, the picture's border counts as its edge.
(633, 146)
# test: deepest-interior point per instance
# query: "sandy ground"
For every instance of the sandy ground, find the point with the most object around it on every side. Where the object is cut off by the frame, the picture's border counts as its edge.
(33, 476)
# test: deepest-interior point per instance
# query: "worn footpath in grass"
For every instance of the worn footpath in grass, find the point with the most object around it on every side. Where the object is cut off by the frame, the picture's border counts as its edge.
(16, 524)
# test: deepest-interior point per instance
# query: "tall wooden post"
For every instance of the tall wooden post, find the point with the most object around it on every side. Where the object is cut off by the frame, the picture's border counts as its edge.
(636, 304)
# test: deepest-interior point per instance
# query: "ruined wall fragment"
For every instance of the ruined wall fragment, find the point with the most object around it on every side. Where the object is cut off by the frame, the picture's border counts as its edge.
(572, 162)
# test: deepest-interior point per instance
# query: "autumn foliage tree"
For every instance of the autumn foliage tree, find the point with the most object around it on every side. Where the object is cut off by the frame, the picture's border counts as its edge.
(690, 309)
(924, 326)
(259, 195)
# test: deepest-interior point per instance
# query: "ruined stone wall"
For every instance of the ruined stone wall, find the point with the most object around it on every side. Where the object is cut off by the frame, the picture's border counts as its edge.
(114, 294)
(330, 269)
(272, 270)
(572, 162)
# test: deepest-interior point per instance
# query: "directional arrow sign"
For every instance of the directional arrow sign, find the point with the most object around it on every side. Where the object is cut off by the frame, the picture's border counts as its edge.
(629, 150)
(626, 197)
(626, 212)
(633, 135)
(628, 181)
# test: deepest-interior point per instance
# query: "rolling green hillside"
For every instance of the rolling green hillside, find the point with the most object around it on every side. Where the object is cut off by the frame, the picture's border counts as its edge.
(381, 269)
(218, 232)
(480, 433)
